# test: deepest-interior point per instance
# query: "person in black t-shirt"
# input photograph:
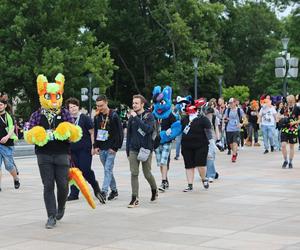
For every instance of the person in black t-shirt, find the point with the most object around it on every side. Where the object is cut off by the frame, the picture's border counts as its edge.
(196, 141)
(82, 151)
(108, 137)
(252, 116)
(298, 105)
(7, 138)
(290, 120)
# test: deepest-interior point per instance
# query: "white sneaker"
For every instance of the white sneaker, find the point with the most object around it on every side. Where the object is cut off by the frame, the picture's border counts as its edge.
(210, 180)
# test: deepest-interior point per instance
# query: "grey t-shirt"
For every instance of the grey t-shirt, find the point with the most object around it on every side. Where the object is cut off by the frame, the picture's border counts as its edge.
(234, 119)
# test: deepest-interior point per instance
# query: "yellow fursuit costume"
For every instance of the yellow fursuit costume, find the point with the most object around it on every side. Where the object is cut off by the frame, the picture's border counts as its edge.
(51, 100)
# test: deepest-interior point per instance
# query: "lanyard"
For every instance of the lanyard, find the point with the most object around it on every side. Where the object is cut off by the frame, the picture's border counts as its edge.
(77, 119)
(103, 125)
(4, 120)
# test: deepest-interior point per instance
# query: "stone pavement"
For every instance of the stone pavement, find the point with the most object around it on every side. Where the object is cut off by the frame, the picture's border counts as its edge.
(254, 205)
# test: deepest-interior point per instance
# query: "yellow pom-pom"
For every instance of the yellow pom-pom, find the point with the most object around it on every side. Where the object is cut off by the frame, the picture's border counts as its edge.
(37, 135)
(76, 133)
(28, 137)
(62, 132)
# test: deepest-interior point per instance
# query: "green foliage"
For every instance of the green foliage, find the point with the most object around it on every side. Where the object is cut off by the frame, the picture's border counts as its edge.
(240, 92)
(153, 42)
(130, 46)
(264, 78)
(48, 37)
(250, 30)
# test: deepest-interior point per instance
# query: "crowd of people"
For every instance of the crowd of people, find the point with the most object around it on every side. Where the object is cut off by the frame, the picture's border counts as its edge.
(199, 127)
(278, 122)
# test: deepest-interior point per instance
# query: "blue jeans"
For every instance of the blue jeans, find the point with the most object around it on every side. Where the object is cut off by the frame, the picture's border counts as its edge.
(6, 155)
(210, 166)
(178, 144)
(277, 139)
(268, 133)
(108, 160)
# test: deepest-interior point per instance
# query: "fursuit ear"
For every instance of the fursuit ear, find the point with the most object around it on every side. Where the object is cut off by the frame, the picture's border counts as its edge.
(156, 91)
(60, 80)
(167, 91)
(41, 84)
(156, 94)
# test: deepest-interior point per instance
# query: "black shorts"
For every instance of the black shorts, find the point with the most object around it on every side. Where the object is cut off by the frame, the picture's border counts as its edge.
(233, 137)
(194, 157)
(292, 139)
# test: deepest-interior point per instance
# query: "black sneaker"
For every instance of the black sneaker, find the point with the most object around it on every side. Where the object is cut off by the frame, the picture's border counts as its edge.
(60, 213)
(101, 196)
(167, 184)
(113, 195)
(154, 195)
(176, 158)
(290, 165)
(217, 175)
(72, 198)
(284, 165)
(266, 151)
(162, 187)
(205, 183)
(133, 203)
(272, 149)
(188, 189)
(17, 184)
(51, 222)
(229, 152)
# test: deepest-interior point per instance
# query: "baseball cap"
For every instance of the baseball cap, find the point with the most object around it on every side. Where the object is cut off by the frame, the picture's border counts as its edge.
(231, 100)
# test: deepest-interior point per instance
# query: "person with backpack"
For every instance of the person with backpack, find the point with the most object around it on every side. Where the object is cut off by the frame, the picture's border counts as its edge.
(234, 118)
(139, 147)
(82, 151)
(108, 135)
(7, 138)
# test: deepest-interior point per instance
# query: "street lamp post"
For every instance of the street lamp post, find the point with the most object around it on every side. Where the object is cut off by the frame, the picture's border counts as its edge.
(285, 42)
(195, 63)
(90, 77)
(220, 85)
(286, 66)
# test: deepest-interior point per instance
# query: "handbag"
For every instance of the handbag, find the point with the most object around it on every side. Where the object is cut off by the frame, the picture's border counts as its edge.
(143, 154)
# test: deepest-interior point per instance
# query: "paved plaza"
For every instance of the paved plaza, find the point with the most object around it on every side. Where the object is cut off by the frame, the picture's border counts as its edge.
(254, 205)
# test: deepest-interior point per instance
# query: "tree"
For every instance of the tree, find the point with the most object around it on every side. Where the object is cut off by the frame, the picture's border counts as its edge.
(48, 37)
(264, 80)
(153, 42)
(250, 29)
(240, 93)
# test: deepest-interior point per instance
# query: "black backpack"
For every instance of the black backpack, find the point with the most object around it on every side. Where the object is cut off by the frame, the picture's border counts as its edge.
(120, 127)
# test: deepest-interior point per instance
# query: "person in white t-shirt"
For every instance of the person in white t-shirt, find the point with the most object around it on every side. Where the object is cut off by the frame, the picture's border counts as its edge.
(267, 119)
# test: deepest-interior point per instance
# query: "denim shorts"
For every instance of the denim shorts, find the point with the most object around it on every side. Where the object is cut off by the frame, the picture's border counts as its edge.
(6, 155)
